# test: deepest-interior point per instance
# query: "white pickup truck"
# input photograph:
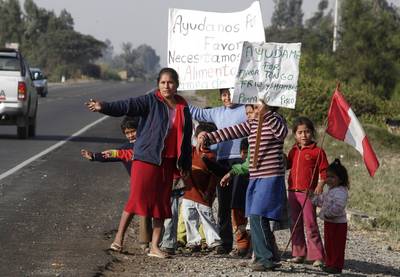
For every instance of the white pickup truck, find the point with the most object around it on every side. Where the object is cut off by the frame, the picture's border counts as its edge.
(18, 96)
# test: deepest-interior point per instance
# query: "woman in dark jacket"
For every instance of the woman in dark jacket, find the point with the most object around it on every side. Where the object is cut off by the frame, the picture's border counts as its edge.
(162, 150)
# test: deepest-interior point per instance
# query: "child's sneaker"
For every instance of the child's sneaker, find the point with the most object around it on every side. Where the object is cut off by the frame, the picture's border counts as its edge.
(318, 263)
(169, 251)
(193, 248)
(239, 253)
(219, 249)
(331, 270)
(204, 247)
(296, 260)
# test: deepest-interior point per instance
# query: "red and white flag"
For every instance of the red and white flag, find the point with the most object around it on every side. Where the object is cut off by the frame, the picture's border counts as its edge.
(344, 125)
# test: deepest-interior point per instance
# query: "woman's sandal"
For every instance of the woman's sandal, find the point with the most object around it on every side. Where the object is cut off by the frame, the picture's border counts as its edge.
(115, 247)
(160, 256)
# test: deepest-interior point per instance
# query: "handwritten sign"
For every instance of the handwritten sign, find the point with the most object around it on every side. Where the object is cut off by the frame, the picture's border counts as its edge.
(205, 47)
(268, 71)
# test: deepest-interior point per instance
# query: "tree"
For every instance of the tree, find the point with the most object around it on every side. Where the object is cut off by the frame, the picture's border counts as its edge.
(147, 59)
(141, 62)
(317, 34)
(11, 24)
(287, 22)
(369, 45)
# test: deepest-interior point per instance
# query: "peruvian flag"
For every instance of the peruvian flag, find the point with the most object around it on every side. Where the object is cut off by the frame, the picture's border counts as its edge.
(344, 125)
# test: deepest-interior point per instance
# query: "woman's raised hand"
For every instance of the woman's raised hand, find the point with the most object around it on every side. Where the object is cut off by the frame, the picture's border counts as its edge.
(93, 105)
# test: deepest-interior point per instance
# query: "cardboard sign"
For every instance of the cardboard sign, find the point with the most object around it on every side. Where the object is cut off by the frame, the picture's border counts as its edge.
(268, 71)
(205, 47)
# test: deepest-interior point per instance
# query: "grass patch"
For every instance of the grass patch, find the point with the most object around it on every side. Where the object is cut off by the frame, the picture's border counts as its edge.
(212, 97)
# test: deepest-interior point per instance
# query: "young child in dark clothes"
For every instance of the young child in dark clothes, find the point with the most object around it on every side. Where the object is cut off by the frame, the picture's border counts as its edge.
(128, 128)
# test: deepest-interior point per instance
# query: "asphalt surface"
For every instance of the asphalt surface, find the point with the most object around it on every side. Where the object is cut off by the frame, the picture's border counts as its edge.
(58, 213)
(61, 114)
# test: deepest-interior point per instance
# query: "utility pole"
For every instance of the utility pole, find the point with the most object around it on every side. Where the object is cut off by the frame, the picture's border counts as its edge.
(335, 26)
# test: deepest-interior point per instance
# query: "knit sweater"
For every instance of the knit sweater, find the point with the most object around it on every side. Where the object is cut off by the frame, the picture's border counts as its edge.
(333, 204)
(273, 133)
(222, 117)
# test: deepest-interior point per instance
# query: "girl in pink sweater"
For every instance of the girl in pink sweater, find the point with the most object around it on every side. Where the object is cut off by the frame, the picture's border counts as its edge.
(333, 204)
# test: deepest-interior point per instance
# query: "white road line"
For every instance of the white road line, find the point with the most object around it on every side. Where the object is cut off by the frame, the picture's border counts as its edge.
(51, 148)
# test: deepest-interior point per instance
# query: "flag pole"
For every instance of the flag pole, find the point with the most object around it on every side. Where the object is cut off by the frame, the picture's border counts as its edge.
(308, 188)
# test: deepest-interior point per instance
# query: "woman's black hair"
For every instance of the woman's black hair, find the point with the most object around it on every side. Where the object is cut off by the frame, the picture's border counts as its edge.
(304, 121)
(167, 70)
(340, 171)
(129, 123)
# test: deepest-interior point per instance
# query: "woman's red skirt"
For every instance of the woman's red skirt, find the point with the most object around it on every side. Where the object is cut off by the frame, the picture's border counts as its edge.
(151, 187)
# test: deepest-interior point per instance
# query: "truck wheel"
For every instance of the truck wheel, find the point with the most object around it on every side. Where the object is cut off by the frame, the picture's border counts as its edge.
(32, 123)
(23, 132)
(32, 127)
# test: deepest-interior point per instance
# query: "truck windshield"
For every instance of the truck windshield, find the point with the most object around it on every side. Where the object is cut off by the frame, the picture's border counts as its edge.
(8, 63)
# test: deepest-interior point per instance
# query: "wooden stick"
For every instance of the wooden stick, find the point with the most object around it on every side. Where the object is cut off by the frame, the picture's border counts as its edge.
(258, 139)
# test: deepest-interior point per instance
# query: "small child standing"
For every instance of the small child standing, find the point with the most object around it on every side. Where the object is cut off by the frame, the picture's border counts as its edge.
(128, 127)
(307, 163)
(333, 213)
(198, 198)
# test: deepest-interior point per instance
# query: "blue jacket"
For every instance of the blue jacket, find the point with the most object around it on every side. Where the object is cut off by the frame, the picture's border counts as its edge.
(153, 128)
(223, 117)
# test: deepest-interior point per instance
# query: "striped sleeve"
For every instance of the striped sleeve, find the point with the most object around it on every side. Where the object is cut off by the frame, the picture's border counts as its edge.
(229, 133)
(277, 126)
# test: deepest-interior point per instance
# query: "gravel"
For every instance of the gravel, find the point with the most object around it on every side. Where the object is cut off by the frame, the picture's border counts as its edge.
(364, 257)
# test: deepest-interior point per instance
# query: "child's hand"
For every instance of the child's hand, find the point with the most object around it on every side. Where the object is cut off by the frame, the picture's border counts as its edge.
(201, 141)
(109, 154)
(225, 180)
(87, 154)
(319, 188)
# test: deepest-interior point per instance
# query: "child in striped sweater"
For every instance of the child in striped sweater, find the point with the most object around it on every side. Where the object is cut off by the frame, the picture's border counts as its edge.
(266, 190)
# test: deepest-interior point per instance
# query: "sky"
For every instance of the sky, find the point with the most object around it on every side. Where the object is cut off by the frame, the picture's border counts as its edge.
(146, 21)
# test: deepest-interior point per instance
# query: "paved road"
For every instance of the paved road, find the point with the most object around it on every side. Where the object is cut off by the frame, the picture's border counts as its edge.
(57, 212)
(60, 115)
